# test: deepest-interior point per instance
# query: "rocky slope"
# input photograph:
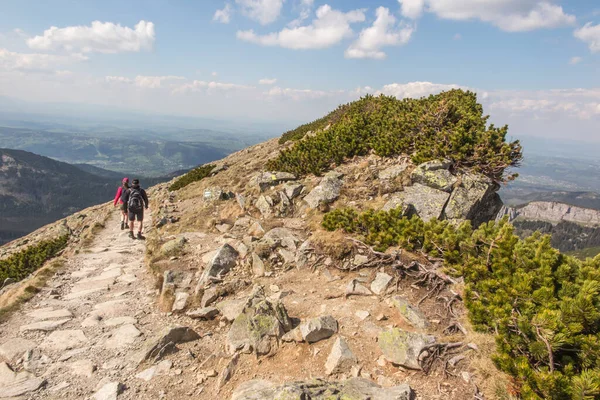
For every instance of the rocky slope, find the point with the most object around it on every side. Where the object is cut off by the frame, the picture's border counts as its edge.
(553, 212)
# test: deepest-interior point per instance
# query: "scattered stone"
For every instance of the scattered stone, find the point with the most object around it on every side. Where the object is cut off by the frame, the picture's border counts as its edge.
(476, 199)
(210, 296)
(288, 256)
(380, 317)
(281, 237)
(221, 263)
(21, 388)
(466, 376)
(293, 190)
(260, 322)
(410, 313)
(180, 303)
(45, 326)
(355, 388)
(64, 340)
(223, 228)
(92, 320)
(360, 259)
(265, 205)
(14, 349)
(362, 315)
(264, 180)
(341, 359)
(123, 336)
(168, 338)
(256, 230)
(59, 387)
(109, 391)
(50, 313)
(83, 368)
(403, 348)
(380, 283)
(355, 288)
(258, 266)
(120, 321)
(172, 247)
(435, 174)
(203, 313)
(428, 203)
(318, 329)
(241, 200)
(327, 192)
(394, 171)
(230, 309)
(274, 288)
(161, 368)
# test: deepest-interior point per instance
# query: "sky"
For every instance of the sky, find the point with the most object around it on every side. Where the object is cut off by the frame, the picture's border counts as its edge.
(535, 64)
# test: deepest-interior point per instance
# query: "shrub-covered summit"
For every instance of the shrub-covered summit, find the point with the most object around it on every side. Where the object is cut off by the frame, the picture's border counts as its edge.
(448, 125)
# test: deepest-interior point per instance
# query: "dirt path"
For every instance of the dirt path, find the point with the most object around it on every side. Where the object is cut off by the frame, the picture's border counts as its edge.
(77, 338)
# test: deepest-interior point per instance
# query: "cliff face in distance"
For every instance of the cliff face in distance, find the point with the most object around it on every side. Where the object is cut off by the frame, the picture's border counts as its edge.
(553, 212)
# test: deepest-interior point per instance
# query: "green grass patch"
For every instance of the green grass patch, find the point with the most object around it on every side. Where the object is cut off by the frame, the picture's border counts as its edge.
(448, 125)
(194, 175)
(19, 265)
(542, 306)
(582, 254)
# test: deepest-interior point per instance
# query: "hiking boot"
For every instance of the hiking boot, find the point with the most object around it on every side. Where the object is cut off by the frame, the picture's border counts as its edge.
(131, 235)
(140, 236)
(122, 225)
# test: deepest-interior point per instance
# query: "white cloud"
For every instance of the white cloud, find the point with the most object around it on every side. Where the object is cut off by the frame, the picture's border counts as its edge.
(412, 8)
(214, 74)
(382, 33)
(575, 60)
(267, 81)
(204, 86)
(415, 89)
(590, 34)
(508, 15)
(306, 7)
(153, 82)
(223, 16)
(12, 61)
(117, 79)
(263, 11)
(299, 94)
(329, 28)
(99, 37)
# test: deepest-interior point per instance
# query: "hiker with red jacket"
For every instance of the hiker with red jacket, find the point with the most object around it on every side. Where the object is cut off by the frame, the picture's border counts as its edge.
(136, 200)
(122, 206)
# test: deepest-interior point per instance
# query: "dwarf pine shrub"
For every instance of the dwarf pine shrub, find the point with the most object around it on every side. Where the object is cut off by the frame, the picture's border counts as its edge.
(448, 125)
(542, 306)
(194, 175)
(23, 263)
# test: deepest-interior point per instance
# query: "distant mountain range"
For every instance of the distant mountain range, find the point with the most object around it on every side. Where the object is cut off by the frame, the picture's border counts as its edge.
(36, 190)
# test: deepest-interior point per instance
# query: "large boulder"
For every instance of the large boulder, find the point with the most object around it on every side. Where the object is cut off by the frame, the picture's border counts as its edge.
(428, 203)
(264, 180)
(313, 330)
(476, 199)
(326, 192)
(260, 323)
(224, 259)
(403, 348)
(172, 247)
(355, 389)
(435, 174)
(265, 205)
(281, 237)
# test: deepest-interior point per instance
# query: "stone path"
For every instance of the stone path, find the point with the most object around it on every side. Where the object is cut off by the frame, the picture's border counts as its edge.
(78, 337)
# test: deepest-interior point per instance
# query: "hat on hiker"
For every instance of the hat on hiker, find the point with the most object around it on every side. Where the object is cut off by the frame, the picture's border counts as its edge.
(136, 181)
(125, 180)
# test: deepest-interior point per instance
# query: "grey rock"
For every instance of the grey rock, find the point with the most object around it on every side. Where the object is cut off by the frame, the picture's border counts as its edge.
(210, 296)
(21, 388)
(260, 323)
(180, 303)
(318, 329)
(123, 336)
(281, 237)
(355, 389)
(231, 309)
(380, 283)
(265, 205)
(14, 349)
(355, 288)
(264, 180)
(341, 359)
(394, 171)
(169, 336)
(221, 263)
(45, 326)
(435, 165)
(214, 193)
(440, 179)
(428, 203)
(241, 200)
(172, 247)
(326, 192)
(203, 313)
(476, 200)
(293, 190)
(360, 259)
(109, 391)
(50, 313)
(64, 340)
(83, 368)
(256, 230)
(223, 228)
(403, 348)
(258, 266)
(117, 321)
(287, 256)
(409, 312)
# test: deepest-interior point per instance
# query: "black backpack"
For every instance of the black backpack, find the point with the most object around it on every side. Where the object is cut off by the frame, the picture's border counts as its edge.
(136, 202)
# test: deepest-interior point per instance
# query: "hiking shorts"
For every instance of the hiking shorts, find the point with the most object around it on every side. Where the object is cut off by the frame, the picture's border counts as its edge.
(136, 215)
(123, 207)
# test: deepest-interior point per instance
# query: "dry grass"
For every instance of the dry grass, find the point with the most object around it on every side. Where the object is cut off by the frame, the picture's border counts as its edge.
(334, 244)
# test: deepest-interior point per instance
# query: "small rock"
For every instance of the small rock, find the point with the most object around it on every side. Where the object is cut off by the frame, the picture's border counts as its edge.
(341, 359)
(355, 288)
(360, 259)
(109, 391)
(380, 283)
(403, 348)
(203, 313)
(83, 368)
(362, 315)
(15, 348)
(318, 329)
(466, 376)
(221, 263)
(230, 309)
(223, 228)
(210, 296)
(274, 288)
(180, 303)
(258, 266)
(412, 314)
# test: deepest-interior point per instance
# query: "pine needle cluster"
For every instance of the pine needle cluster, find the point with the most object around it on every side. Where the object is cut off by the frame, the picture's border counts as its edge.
(543, 306)
(449, 125)
(195, 175)
(21, 264)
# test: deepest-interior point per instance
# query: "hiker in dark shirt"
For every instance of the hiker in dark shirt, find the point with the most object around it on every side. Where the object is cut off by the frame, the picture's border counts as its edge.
(137, 201)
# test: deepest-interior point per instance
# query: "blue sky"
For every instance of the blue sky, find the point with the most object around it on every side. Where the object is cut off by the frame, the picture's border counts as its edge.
(534, 63)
